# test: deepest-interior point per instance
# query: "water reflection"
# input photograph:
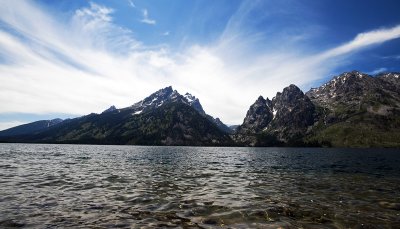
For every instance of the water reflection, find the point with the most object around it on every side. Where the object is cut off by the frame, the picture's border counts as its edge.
(126, 186)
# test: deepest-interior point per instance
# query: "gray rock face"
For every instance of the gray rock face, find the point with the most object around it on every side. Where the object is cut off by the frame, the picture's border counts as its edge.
(257, 118)
(358, 110)
(286, 117)
(168, 95)
(157, 99)
(294, 113)
(164, 96)
(353, 92)
(110, 109)
(347, 88)
(194, 102)
(392, 79)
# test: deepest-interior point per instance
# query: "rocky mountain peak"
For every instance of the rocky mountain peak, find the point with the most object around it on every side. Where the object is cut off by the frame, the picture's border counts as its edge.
(260, 100)
(353, 84)
(257, 118)
(290, 93)
(289, 98)
(156, 99)
(292, 88)
(293, 113)
(347, 77)
(110, 109)
(391, 78)
(190, 97)
(194, 102)
(169, 95)
(392, 75)
(288, 115)
(165, 91)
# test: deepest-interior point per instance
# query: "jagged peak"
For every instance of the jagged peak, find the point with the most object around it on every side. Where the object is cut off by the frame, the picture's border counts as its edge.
(292, 89)
(347, 75)
(165, 91)
(110, 109)
(260, 99)
(395, 75)
(166, 95)
(190, 97)
(344, 78)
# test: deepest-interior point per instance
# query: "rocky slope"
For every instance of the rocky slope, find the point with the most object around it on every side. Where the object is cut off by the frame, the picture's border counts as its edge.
(257, 118)
(358, 110)
(168, 95)
(351, 110)
(284, 120)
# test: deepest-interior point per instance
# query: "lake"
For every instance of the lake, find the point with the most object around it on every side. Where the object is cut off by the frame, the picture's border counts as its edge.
(84, 186)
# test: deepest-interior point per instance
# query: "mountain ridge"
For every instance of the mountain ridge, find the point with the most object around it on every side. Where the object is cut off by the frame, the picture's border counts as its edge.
(352, 109)
(184, 122)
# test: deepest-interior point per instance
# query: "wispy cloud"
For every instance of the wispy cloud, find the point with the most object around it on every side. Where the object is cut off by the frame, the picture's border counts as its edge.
(166, 33)
(363, 40)
(131, 4)
(88, 63)
(395, 57)
(146, 18)
(377, 71)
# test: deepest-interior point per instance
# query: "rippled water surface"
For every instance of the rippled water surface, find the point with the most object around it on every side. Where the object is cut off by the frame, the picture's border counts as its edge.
(78, 186)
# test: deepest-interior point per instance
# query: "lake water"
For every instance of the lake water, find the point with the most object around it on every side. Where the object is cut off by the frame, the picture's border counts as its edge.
(79, 186)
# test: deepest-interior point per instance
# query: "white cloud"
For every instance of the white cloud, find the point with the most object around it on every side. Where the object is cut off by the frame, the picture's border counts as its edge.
(89, 63)
(146, 18)
(166, 33)
(363, 40)
(95, 13)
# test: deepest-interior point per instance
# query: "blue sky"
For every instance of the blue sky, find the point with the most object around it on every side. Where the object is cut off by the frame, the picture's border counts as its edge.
(69, 58)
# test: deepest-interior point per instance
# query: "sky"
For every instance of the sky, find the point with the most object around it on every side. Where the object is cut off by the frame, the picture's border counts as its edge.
(62, 59)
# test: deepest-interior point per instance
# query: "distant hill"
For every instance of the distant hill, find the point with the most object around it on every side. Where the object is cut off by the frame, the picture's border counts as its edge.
(30, 128)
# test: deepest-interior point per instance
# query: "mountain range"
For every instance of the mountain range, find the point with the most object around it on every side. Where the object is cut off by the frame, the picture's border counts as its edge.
(351, 110)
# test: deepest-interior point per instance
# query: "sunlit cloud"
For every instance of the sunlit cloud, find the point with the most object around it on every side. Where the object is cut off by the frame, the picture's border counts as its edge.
(88, 63)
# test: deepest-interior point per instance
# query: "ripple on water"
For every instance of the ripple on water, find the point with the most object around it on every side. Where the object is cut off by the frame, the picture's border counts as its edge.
(124, 186)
